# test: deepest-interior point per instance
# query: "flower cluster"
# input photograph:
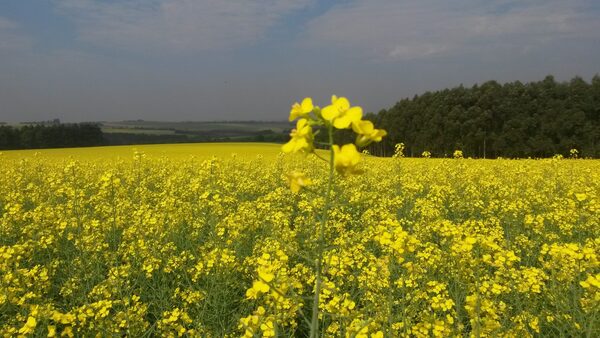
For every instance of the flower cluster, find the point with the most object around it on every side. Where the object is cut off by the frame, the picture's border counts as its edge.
(338, 115)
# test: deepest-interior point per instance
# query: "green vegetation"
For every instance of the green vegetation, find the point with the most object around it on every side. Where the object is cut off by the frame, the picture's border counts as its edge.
(143, 132)
(53, 134)
(537, 119)
(50, 136)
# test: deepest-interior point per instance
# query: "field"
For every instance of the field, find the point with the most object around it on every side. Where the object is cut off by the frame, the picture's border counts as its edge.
(119, 132)
(181, 151)
(209, 240)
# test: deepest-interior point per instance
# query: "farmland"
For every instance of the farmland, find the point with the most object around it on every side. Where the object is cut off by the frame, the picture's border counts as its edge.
(209, 240)
(171, 151)
(139, 131)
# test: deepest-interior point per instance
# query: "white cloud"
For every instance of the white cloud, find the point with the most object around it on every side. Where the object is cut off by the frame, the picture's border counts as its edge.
(403, 30)
(176, 25)
(12, 39)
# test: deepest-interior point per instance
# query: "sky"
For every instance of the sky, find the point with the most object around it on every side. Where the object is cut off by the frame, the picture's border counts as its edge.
(207, 60)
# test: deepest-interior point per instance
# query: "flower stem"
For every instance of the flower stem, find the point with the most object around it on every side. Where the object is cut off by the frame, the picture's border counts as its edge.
(314, 327)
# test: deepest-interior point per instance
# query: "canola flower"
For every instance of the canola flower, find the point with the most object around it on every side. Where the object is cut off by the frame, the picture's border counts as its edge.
(297, 181)
(170, 245)
(346, 158)
(366, 133)
(338, 115)
(301, 138)
(301, 109)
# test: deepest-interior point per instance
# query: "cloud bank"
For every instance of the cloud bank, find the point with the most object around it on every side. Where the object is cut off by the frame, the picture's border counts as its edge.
(406, 30)
(12, 39)
(176, 25)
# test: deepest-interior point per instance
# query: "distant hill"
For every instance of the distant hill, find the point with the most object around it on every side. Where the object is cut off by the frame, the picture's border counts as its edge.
(140, 131)
(53, 134)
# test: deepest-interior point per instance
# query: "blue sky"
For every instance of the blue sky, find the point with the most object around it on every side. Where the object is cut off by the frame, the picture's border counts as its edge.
(92, 60)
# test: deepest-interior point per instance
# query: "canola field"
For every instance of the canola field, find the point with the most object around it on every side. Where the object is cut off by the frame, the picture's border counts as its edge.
(171, 241)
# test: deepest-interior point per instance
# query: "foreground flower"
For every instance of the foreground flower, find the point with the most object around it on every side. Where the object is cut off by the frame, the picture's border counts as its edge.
(367, 133)
(297, 180)
(257, 288)
(29, 326)
(301, 109)
(346, 158)
(340, 114)
(302, 138)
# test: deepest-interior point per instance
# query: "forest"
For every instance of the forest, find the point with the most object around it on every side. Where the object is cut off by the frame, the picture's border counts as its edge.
(59, 135)
(514, 120)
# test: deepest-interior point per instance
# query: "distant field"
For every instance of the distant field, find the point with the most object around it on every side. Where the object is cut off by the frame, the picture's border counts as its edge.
(144, 132)
(191, 126)
(138, 131)
(184, 150)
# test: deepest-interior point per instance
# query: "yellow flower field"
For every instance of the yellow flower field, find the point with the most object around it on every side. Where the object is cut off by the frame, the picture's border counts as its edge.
(170, 241)
(173, 151)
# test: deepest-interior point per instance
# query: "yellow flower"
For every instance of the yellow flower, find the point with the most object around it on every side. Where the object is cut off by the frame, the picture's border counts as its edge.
(29, 326)
(302, 138)
(297, 180)
(346, 158)
(367, 133)
(51, 331)
(301, 109)
(257, 288)
(268, 329)
(265, 274)
(591, 281)
(340, 113)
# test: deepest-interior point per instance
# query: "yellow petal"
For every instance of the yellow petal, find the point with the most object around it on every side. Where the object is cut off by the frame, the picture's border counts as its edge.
(307, 105)
(355, 114)
(342, 103)
(266, 276)
(363, 127)
(300, 144)
(346, 158)
(350, 151)
(295, 112)
(342, 122)
(330, 112)
(251, 293)
(378, 136)
(260, 286)
(362, 140)
(301, 123)
(288, 147)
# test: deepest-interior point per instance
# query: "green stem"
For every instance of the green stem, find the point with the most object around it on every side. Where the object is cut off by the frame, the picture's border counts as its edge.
(314, 327)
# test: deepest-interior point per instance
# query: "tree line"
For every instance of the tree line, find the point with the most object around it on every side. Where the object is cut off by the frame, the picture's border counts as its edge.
(53, 134)
(39, 136)
(536, 119)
